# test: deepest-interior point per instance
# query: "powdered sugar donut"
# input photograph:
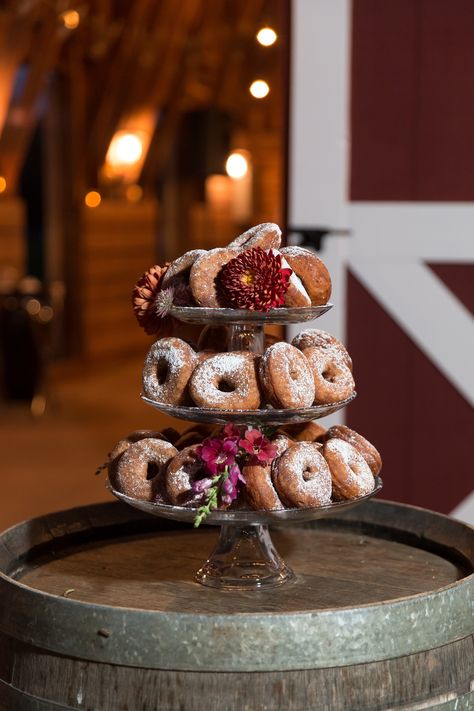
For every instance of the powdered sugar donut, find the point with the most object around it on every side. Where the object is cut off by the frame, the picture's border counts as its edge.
(312, 272)
(265, 236)
(141, 468)
(351, 475)
(304, 431)
(333, 380)
(301, 476)
(227, 381)
(321, 339)
(179, 270)
(286, 377)
(363, 446)
(296, 295)
(181, 472)
(168, 367)
(203, 274)
(260, 493)
(123, 444)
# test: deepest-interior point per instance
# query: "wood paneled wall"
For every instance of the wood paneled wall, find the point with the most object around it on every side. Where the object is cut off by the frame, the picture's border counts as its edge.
(12, 235)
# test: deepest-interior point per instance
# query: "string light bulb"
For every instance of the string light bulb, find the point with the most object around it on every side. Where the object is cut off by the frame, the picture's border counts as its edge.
(93, 198)
(266, 36)
(236, 165)
(125, 149)
(70, 19)
(259, 89)
(3, 184)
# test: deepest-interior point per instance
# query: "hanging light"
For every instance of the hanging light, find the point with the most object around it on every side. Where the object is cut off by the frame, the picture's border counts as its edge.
(266, 36)
(93, 198)
(259, 89)
(236, 165)
(3, 184)
(125, 149)
(70, 19)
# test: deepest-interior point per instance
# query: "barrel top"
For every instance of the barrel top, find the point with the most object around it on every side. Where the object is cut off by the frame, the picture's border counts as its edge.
(379, 567)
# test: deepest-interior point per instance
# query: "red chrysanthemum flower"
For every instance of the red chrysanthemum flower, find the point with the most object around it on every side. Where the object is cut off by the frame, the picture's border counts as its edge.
(253, 280)
(144, 299)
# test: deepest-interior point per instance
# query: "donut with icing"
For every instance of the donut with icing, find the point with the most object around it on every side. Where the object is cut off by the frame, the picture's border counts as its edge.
(286, 377)
(227, 381)
(363, 446)
(351, 475)
(182, 471)
(301, 476)
(333, 380)
(203, 275)
(168, 367)
(266, 236)
(312, 272)
(141, 468)
(314, 337)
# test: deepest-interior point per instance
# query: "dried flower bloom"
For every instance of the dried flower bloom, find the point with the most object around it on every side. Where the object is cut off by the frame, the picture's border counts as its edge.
(144, 296)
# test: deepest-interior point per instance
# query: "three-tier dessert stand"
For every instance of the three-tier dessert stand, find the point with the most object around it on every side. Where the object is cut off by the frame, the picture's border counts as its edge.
(244, 557)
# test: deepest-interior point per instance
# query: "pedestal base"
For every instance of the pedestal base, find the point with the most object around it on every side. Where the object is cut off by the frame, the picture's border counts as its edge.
(244, 559)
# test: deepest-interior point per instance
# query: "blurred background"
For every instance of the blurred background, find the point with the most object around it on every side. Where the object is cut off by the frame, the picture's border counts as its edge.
(133, 132)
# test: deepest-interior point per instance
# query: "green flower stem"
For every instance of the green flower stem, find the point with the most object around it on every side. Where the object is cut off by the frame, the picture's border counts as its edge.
(211, 497)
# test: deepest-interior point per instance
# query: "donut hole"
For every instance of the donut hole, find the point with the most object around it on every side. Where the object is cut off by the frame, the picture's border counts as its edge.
(225, 386)
(294, 373)
(152, 470)
(329, 375)
(307, 474)
(162, 371)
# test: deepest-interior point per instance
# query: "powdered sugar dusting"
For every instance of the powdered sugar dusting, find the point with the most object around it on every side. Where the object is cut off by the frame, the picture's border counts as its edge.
(176, 359)
(286, 377)
(302, 477)
(133, 466)
(351, 474)
(237, 371)
(332, 378)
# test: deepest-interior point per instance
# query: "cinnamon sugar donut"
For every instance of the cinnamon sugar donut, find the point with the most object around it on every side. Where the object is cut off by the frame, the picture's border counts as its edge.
(321, 339)
(363, 446)
(141, 468)
(265, 236)
(168, 367)
(333, 380)
(259, 490)
(123, 444)
(312, 272)
(179, 270)
(227, 381)
(301, 476)
(203, 274)
(351, 475)
(181, 472)
(285, 377)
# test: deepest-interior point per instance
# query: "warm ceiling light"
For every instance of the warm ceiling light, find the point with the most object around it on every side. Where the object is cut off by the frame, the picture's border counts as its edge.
(125, 149)
(3, 184)
(70, 19)
(266, 36)
(93, 199)
(236, 166)
(259, 89)
(134, 193)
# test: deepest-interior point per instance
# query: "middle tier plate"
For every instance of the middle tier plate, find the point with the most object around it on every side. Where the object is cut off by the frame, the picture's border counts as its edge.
(199, 314)
(268, 416)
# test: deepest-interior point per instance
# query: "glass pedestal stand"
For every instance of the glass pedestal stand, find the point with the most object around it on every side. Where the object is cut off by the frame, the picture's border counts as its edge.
(244, 557)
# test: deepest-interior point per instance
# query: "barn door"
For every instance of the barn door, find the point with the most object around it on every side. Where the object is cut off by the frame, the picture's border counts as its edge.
(381, 143)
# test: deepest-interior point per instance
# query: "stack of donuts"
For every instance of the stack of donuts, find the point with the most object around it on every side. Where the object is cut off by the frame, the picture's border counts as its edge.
(312, 467)
(315, 369)
(196, 272)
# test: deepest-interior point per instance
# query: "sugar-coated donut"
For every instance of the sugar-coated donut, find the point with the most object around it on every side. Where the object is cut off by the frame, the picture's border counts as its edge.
(296, 295)
(363, 446)
(141, 468)
(124, 444)
(286, 377)
(168, 367)
(179, 270)
(227, 381)
(312, 272)
(260, 493)
(333, 380)
(182, 471)
(301, 476)
(266, 236)
(351, 475)
(203, 274)
(321, 339)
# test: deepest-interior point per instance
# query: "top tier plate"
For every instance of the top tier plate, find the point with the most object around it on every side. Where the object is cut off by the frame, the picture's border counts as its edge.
(198, 314)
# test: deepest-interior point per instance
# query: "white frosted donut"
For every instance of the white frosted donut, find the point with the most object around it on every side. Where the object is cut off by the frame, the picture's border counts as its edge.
(333, 380)
(168, 367)
(227, 381)
(351, 475)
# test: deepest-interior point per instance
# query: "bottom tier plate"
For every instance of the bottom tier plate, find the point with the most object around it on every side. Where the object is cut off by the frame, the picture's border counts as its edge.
(247, 517)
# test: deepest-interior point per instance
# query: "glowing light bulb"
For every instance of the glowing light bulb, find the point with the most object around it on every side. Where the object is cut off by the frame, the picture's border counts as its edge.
(266, 36)
(93, 198)
(134, 193)
(236, 166)
(125, 149)
(3, 184)
(70, 19)
(259, 89)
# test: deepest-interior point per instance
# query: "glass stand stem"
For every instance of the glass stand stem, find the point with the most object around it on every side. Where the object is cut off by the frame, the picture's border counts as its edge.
(244, 559)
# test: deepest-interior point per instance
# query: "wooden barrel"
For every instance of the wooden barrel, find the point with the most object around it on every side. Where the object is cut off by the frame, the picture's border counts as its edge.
(99, 611)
